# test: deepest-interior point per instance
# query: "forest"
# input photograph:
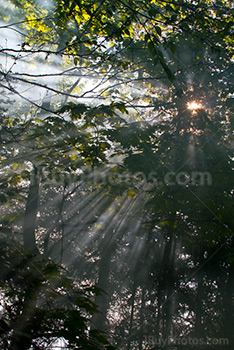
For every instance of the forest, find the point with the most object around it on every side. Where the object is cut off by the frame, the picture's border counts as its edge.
(116, 174)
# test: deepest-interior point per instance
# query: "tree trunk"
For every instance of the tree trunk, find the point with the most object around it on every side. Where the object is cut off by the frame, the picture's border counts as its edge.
(198, 308)
(168, 288)
(99, 319)
(228, 308)
(30, 215)
(131, 317)
(22, 335)
(142, 319)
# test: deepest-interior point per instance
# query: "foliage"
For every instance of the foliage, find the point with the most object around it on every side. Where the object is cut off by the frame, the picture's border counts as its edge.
(115, 174)
(42, 306)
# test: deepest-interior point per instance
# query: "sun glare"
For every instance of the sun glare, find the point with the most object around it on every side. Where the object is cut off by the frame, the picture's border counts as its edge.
(193, 105)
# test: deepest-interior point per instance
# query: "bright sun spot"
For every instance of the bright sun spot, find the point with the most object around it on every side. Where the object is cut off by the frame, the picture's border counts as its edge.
(193, 105)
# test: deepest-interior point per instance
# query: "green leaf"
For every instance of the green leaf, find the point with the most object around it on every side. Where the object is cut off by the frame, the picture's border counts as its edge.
(151, 47)
(3, 198)
(51, 270)
(179, 93)
(158, 30)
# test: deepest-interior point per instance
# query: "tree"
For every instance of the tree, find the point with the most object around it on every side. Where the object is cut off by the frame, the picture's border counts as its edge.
(42, 306)
(129, 170)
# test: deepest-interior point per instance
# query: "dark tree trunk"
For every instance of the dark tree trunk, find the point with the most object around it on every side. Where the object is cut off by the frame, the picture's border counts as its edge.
(22, 336)
(131, 317)
(30, 215)
(228, 295)
(142, 319)
(100, 319)
(198, 308)
(168, 287)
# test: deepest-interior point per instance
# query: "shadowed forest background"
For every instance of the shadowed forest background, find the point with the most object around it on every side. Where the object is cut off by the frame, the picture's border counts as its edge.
(116, 178)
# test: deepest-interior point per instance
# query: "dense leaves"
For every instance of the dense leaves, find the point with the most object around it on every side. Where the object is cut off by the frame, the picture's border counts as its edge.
(117, 163)
(42, 307)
